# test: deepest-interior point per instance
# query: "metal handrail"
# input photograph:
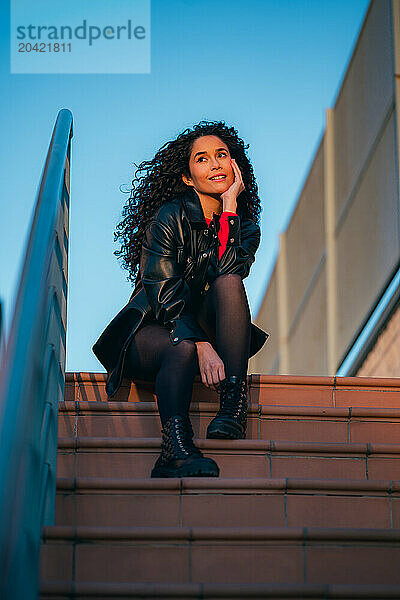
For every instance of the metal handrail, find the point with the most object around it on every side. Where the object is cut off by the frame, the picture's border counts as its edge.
(32, 377)
(2, 335)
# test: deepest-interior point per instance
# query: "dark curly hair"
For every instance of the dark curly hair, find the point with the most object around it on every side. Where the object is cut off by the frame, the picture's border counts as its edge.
(161, 181)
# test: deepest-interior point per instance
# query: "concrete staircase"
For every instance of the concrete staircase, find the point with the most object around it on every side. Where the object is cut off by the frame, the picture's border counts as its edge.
(307, 507)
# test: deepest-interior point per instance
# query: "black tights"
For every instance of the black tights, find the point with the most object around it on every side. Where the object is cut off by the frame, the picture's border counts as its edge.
(151, 356)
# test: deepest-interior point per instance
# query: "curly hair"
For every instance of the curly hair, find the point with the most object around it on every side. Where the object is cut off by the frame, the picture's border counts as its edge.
(160, 180)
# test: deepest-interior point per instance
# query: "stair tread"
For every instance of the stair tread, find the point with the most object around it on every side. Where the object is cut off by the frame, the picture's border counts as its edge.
(257, 378)
(239, 445)
(214, 484)
(190, 534)
(263, 390)
(83, 407)
(223, 590)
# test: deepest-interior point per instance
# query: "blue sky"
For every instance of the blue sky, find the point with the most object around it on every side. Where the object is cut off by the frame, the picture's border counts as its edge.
(270, 68)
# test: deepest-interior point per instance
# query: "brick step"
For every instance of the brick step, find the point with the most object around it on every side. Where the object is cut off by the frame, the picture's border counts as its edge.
(369, 392)
(91, 387)
(200, 591)
(135, 419)
(220, 555)
(211, 502)
(334, 392)
(296, 423)
(132, 458)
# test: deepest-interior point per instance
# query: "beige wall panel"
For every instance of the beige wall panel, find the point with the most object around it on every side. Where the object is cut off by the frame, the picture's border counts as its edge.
(267, 319)
(368, 241)
(307, 343)
(305, 234)
(363, 100)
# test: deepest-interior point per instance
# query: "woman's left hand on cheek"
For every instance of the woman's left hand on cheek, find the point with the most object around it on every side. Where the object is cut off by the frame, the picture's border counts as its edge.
(237, 186)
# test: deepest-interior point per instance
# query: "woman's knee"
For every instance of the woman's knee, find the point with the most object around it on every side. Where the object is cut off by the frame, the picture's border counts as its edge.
(185, 352)
(227, 283)
(228, 277)
(226, 280)
(229, 293)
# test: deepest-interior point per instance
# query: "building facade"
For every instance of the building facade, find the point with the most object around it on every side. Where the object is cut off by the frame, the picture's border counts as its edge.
(340, 253)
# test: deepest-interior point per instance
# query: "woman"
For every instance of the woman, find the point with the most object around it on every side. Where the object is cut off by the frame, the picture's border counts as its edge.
(189, 236)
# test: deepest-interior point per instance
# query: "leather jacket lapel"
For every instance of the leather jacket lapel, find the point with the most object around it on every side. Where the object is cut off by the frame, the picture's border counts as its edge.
(194, 210)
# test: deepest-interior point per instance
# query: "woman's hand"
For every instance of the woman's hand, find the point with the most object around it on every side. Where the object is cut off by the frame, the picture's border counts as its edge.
(212, 368)
(229, 197)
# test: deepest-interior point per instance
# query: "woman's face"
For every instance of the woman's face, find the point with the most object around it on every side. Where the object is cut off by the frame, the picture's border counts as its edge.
(210, 166)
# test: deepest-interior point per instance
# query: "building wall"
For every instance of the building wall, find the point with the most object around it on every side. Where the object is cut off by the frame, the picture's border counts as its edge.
(267, 359)
(342, 244)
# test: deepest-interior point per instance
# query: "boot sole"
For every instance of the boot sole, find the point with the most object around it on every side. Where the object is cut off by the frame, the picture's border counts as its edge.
(225, 431)
(195, 469)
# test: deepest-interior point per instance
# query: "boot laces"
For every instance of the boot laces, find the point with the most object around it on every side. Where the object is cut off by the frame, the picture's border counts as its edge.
(233, 398)
(177, 438)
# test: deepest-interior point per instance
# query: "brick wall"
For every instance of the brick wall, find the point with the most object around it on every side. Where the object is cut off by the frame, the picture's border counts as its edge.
(384, 358)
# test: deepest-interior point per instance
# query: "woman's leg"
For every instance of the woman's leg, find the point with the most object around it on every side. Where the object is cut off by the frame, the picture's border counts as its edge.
(228, 302)
(152, 357)
(226, 309)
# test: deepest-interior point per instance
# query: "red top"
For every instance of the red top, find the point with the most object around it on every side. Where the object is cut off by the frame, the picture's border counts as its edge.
(223, 232)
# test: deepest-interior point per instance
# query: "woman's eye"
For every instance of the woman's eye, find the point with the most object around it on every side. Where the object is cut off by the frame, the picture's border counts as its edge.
(219, 154)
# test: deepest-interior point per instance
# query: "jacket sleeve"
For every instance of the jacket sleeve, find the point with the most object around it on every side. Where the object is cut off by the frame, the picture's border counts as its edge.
(167, 291)
(243, 240)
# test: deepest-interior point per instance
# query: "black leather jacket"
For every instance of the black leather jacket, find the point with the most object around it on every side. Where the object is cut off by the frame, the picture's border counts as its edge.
(179, 261)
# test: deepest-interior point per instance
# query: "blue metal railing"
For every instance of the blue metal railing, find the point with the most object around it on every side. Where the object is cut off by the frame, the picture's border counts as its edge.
(2, 342)
(32, 377)
(369, 333)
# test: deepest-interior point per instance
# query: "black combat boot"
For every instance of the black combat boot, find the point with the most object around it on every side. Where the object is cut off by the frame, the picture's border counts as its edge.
(179, 456)
(231, 420)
